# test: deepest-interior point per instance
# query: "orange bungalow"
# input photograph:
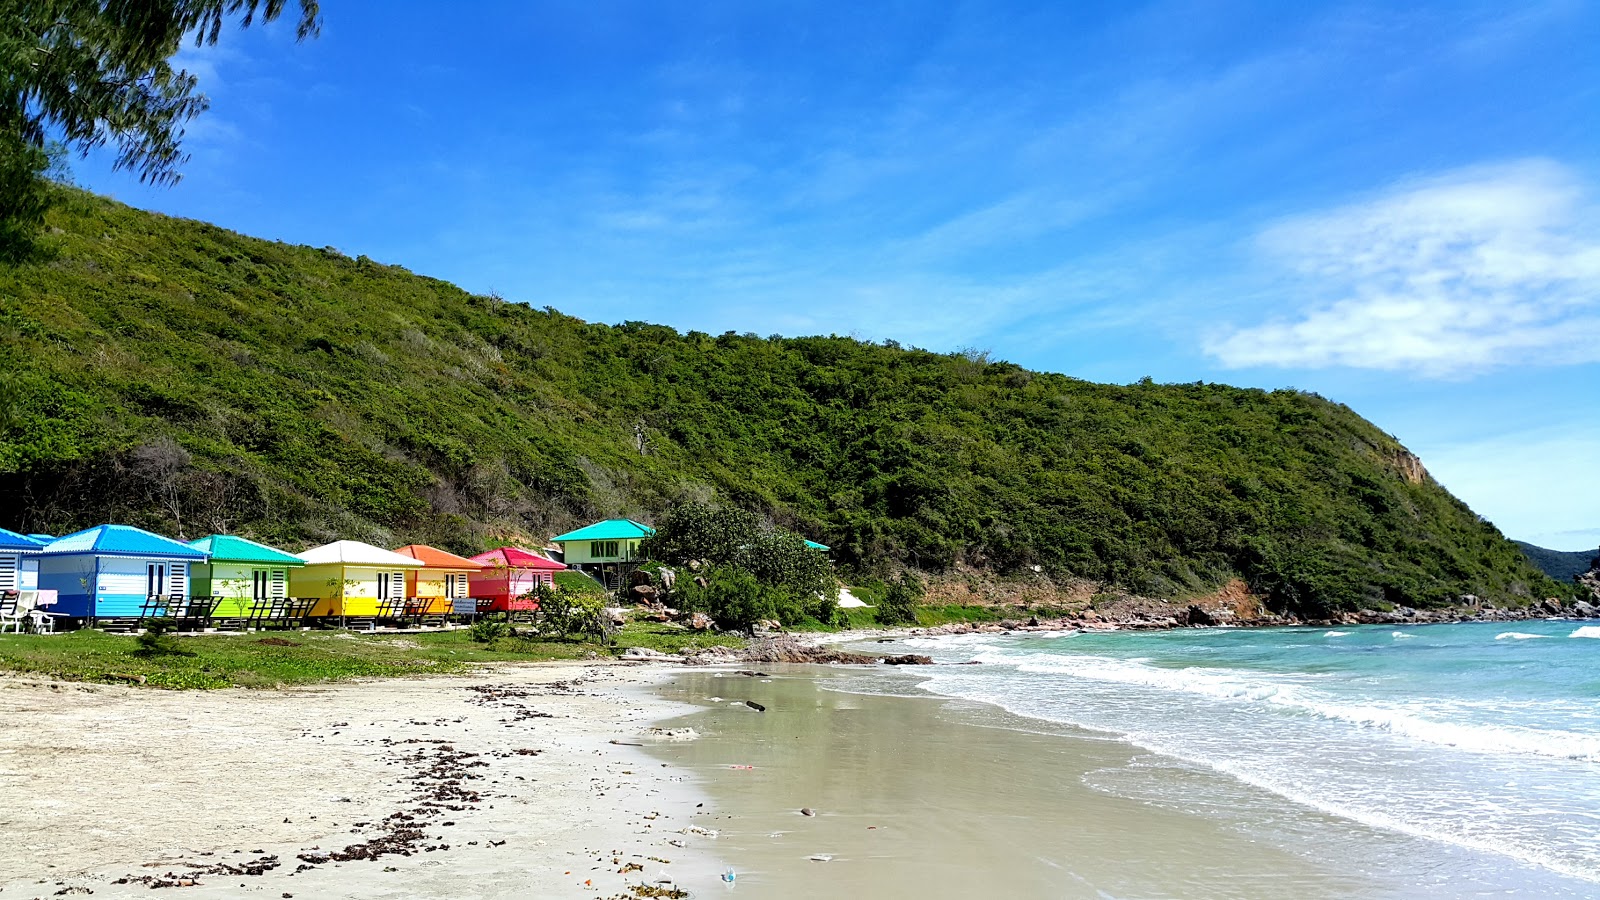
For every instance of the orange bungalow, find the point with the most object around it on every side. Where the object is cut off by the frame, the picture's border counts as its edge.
(443, 585)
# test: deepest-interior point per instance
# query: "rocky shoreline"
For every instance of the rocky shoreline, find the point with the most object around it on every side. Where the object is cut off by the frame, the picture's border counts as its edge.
(1124, 615)
(1143, 618)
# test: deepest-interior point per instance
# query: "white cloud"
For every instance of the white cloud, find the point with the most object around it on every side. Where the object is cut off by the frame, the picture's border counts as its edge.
(1478, 269)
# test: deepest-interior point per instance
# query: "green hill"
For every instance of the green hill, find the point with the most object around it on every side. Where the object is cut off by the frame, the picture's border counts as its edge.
(168, 373)
(1562, 565)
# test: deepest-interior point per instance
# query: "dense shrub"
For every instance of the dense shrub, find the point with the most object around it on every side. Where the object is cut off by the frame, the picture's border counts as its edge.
(898, 605)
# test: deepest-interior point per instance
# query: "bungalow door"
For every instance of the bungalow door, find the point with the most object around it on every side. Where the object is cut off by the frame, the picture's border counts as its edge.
(155, 579)
(260, 584)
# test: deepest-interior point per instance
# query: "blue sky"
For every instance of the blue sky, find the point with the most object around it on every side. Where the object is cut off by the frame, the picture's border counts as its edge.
(1394, 205)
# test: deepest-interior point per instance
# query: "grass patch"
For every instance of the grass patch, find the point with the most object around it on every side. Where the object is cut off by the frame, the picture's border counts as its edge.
(289, 658)
(930, 616)
(669, 638)
(579, 583)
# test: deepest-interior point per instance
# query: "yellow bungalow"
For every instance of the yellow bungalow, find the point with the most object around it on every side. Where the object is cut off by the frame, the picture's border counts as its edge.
(349, 578)
(441, 582)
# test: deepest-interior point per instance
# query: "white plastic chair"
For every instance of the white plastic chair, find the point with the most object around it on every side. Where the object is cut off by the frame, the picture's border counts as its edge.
(11, 612)
(42, 620)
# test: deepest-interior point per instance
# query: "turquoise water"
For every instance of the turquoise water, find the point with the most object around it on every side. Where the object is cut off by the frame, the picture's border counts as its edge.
(1476, 737)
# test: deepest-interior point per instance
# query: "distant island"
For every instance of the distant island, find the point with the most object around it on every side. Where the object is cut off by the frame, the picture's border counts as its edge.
(173, 375)
(1562, 565)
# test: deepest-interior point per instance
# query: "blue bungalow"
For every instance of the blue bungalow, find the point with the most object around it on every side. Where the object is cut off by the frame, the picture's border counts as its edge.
(112, 570)
(19, 561)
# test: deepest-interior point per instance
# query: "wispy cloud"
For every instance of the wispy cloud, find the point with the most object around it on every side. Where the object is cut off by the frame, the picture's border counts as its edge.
(1474, 270)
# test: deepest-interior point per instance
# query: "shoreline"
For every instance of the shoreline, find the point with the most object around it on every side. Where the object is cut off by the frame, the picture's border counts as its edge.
(920, 793)
(528, 780)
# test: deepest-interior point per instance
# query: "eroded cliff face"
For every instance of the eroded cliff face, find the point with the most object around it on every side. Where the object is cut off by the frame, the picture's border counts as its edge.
(1409, 466)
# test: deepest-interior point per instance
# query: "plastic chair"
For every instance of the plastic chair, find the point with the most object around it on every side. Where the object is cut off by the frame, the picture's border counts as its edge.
(11, 612)
(42, 620)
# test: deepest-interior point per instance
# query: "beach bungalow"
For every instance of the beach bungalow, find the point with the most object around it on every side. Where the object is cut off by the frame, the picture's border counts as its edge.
(112, 571)
(349, 578)
(508, 574)
(443, 580)
(19, 561)
(608, 549)
(241, 574)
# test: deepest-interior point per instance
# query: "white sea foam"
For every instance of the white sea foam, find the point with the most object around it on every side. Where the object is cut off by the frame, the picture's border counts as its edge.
(1336, 634)
(1455, 758)
(1297, 693)
(1518, 636)
(1401, 635)
(1403, 820)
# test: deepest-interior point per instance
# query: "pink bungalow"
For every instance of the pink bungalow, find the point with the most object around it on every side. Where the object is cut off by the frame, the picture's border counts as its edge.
(508, 574)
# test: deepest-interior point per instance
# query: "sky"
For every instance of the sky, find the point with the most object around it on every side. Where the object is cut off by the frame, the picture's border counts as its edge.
(1396, 206)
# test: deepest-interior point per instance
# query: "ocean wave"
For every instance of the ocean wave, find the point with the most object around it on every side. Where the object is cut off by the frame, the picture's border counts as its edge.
(1336, 634)
(1296, 692)
(1401, 635)
(1518, 636)
(1587, 631)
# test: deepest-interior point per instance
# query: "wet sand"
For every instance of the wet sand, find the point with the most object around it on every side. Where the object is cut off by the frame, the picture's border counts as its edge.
(915, 797)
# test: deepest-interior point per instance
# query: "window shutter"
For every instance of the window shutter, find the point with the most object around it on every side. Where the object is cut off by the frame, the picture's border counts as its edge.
(178, 580)
(279, 589)
(8, 573)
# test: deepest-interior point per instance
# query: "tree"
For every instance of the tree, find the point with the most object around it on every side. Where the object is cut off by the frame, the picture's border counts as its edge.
(99, 71)
(797, 581)
(734, 598)
(899, 603)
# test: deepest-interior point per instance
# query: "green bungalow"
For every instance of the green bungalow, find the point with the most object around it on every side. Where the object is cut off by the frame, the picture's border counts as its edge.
(608, 549)
(241, 574)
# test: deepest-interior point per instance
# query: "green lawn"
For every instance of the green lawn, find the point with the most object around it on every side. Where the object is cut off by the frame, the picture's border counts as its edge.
(294, 657)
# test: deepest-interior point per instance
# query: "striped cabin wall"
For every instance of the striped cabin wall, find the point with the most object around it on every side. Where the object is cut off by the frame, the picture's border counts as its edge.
(235, 584)
(506, 586)
(342, 590)
(18, 573)
(119, 583)
(440, 587)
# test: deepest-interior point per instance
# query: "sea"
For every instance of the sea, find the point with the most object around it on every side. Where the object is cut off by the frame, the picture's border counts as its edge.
(1480, 741)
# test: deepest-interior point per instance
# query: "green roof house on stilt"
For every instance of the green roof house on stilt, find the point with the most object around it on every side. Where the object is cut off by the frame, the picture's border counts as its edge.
(606, 550)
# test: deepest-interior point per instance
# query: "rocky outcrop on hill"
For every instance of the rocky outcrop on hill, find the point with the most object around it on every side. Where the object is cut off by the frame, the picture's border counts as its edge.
(1591, 579)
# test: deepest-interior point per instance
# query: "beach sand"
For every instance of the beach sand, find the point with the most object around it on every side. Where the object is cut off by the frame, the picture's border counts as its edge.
(915, 796)
(103, 783)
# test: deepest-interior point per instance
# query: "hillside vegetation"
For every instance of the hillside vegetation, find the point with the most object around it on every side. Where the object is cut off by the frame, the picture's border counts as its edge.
(171, 374)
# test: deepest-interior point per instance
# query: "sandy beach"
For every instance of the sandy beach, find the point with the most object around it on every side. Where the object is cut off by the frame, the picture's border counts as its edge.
(916, 795)
(501, 784)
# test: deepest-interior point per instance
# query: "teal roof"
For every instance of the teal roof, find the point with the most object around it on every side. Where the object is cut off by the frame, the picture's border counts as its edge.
(609, 530)
(816, 546)
(122, 540)
(231, 548)
(19, 543)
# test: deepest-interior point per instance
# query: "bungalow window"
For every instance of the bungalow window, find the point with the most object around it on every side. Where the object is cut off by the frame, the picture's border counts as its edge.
(602, 549)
